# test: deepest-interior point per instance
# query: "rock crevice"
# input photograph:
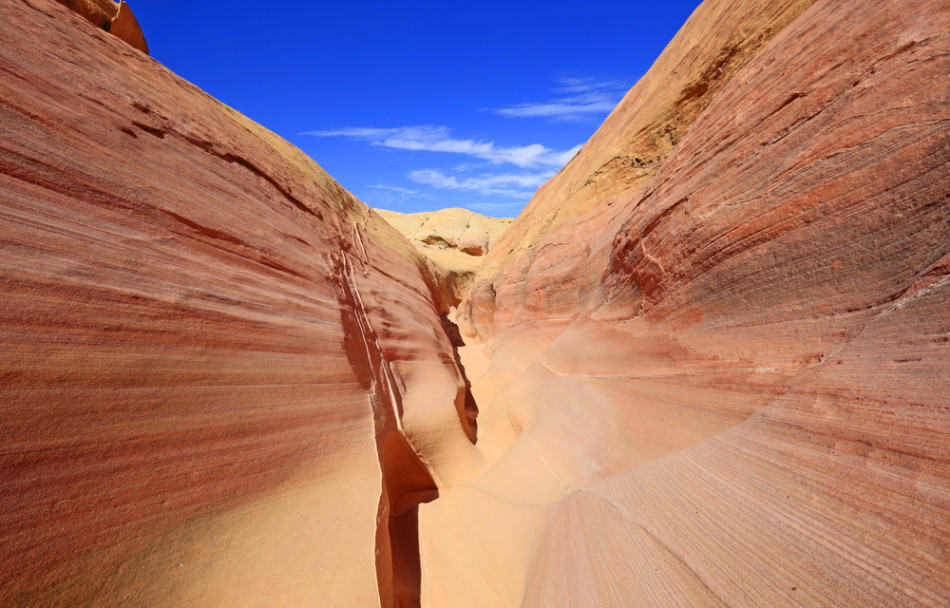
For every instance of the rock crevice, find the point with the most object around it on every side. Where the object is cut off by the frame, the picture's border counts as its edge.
(406, 480)
(707, 366)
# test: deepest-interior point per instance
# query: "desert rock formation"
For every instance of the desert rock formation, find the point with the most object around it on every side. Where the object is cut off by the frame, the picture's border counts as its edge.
(717, 370)
(219, 369)
(455, 240)
(711, 359)
(114, 17)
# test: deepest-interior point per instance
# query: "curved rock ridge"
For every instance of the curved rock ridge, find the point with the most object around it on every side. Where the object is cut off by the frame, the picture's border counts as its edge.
(224, 381)
(114, 17)
(724, 381)
(518, 277)
(711, 359)
(454, 240)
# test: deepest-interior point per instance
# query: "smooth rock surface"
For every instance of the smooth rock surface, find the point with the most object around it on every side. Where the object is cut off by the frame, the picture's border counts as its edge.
(219, 370)
(455, 240)
(710, 361)
(720, 377)
(551, 258)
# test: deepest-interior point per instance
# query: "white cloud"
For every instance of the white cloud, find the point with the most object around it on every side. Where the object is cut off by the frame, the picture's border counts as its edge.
(590, 98)
(509, 184)
(398, 189)
(438, 139)
(587, 85)
(564, 108)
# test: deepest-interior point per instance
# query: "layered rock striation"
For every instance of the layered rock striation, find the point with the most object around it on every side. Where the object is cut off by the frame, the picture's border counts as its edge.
(717, 374)
(224, 380)
(710, 359)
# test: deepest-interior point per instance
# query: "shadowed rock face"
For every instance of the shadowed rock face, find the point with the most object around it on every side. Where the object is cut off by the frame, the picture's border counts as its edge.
(711, 359)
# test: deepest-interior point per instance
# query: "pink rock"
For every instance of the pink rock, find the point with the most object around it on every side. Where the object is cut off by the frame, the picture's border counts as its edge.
(711, 359)
(208, 346)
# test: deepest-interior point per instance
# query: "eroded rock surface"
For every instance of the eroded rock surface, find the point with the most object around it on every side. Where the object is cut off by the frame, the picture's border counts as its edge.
(113, 17)
(711, 359)
(224, 381)
(455, 241)
(540, 267)
(718, 375)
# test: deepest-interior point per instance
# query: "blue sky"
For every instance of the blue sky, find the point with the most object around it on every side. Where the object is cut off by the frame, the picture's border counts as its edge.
(423, 105)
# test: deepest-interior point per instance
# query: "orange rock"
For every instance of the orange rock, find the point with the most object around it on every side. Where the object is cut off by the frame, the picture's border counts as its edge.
(114, 17)
(126, 27)
(99, 12)
(219, 369)
(714, 374)
(622, 157)
(454, 241)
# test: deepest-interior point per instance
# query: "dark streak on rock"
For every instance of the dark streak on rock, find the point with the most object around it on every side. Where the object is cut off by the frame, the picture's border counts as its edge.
(159, 133)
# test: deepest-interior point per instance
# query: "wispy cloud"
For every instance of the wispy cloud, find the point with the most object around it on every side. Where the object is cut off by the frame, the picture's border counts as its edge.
(586, 98)
(398, 189)
(589, 85)
(439, 139)
(510, 185)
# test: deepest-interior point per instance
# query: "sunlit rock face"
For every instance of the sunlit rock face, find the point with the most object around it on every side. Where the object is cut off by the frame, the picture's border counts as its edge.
(707, 366)
(714, 366)
(455, 242)
(219, 369)
(113, 17)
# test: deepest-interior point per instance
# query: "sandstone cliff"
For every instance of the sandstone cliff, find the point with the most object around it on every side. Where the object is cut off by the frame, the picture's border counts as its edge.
(114, 17)
(219, 370)
(454, 240)
(711, 359)
(717, 374)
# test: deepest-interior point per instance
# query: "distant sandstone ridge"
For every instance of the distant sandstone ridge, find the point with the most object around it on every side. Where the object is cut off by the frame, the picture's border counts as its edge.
(455, 240)
(708, 365)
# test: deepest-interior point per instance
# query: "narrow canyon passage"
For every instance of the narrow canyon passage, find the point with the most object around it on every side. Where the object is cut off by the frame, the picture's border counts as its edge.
(707, 365)
(406, 481)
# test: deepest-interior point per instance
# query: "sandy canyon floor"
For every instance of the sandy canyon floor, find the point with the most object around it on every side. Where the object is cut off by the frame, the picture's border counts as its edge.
(708, 365)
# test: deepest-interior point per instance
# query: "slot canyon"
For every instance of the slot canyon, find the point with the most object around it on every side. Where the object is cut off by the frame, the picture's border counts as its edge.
(707, 365)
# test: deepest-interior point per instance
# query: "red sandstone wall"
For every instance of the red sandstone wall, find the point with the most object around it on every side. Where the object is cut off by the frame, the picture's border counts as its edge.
(206, 343)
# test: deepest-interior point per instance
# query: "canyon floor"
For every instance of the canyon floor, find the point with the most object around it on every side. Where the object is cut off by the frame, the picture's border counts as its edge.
(708, 365)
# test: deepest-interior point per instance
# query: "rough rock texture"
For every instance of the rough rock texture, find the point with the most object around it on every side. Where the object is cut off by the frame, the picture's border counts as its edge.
(455, 240)
(719, 375)
(223, 381)
(114, 17)
(714, 374)
(458, 229)
(538, 268)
